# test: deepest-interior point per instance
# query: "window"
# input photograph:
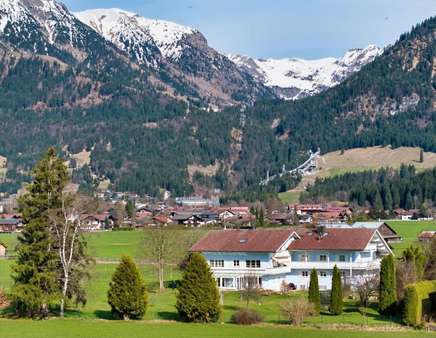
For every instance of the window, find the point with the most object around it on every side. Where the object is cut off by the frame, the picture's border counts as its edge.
(227, 282)
(323, 258)
(342, 258)
(216, 263)
(235, 263)
(323, 274)
(305, 273)
(252, 264)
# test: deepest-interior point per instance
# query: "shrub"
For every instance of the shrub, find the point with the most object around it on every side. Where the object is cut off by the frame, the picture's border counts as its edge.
(387, 293)
(26, 299)
(296, 310)
(336, 299)
(198, 298)
(127, 293)
(419, 301)
(246, 317)
(314, 296)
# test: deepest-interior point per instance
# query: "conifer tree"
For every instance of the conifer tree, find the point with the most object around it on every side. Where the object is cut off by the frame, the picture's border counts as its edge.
(336, 301)
(314, 296)
(36, 282)
(198, 299)
(127, 293)
(387, 293)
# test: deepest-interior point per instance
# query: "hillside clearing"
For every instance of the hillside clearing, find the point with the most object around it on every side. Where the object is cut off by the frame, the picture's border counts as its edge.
(360, 159)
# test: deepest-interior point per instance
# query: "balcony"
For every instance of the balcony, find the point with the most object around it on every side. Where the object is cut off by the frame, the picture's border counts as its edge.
(330, 264)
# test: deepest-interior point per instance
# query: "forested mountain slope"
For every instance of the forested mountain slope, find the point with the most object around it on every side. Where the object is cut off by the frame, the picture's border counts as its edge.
(63, 84)
(390, 101)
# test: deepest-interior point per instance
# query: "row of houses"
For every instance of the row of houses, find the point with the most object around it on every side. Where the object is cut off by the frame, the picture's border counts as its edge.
(284, 258)
(231, 216)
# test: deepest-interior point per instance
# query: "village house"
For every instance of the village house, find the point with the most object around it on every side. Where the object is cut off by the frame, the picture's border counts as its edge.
(11, 224)
(97, 222)
(387, 232)
(3, 249)
(427, 236)
(325, 213)
(286, 256)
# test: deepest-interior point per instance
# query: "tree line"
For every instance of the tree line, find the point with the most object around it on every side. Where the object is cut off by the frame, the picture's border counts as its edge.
(384, 189)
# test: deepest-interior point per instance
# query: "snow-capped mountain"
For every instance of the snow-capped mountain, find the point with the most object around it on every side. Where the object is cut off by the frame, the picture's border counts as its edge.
(137, 34)
(297, 78)
(182, 51)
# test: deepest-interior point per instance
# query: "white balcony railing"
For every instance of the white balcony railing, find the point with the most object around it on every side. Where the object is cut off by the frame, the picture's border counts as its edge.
(329, 265)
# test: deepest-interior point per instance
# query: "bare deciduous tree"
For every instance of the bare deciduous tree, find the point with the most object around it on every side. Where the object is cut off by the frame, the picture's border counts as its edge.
(66, 231)
(162, 243)
(250, 289)
(366, 288)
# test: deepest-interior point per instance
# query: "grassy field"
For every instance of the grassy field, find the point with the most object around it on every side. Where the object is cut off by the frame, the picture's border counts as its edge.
(409, 231)
(111, 245)
(289, 197)
(161, 317)
(131, 329)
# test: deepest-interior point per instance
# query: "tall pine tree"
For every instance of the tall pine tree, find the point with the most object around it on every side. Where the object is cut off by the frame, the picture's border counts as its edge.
(314, 295)
(36, 282)
(388, 289)
(198, 298)
(336, 301)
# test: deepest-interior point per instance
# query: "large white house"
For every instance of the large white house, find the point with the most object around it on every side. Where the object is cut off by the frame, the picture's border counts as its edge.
(286, 256)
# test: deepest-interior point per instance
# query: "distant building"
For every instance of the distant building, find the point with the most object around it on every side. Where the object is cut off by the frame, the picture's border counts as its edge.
(197, 202)
(3, 249)
(10, 224)
(427, 236)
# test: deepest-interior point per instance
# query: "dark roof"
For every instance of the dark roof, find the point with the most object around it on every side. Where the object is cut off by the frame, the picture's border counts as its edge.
(9, 221)
(265, 240)
(334, 239)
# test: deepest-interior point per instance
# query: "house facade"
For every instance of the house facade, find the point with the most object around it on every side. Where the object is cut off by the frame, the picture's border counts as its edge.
(285, 257)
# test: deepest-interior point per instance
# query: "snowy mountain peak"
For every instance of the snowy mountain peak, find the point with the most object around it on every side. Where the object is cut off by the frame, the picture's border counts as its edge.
(117, 26)
(294, 78)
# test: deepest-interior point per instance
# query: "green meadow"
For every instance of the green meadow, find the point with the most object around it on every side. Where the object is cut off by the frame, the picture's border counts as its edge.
(161, 319)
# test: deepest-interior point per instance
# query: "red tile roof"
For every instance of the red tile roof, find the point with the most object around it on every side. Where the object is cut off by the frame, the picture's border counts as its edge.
(264, 240)
(334, 239)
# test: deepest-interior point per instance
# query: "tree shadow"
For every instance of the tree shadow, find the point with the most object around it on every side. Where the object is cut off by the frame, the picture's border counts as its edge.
(231, 307)
(102, 314)
(166, 315)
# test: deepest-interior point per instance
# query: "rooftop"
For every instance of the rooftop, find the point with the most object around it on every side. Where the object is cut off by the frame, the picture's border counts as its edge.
(263, 240)
(347, 239)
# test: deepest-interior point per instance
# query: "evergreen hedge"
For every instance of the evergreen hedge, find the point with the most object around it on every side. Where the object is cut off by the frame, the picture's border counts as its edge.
(419, 301)
(388, 289)
(314, 296)
(336, 301)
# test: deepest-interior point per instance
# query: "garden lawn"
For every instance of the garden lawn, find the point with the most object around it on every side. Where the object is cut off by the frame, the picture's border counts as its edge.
(91, 328)
(409, 231)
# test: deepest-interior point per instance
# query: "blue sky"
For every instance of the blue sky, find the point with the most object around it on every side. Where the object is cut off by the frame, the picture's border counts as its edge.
(283, 28)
